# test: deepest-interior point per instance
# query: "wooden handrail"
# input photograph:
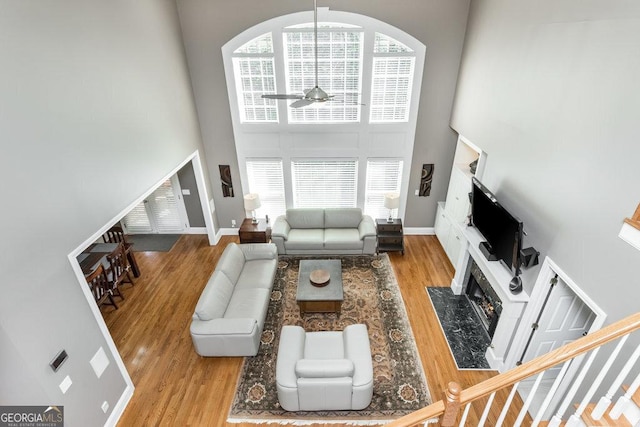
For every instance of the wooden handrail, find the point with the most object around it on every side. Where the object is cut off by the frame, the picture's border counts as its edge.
(528, 369)
(634, 221)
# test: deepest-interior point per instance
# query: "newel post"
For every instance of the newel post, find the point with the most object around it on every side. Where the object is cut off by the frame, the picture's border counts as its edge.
(451, 404)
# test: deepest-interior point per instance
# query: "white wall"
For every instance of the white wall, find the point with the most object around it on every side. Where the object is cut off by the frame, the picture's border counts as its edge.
(96, 106)
(549, 89)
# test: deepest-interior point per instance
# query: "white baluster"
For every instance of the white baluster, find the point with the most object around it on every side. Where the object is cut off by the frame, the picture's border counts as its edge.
(603, 372)
(485, 414)
(551, 393)
(605, 401)
(557, 418)
(624, 400)
(532, 393)
(507, 405)
(465, 414)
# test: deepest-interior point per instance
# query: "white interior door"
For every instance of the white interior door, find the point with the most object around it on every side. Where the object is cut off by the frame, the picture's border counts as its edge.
(565, 319)
(162, 212)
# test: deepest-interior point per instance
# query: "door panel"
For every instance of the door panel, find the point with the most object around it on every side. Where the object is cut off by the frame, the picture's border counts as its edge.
(565, 319)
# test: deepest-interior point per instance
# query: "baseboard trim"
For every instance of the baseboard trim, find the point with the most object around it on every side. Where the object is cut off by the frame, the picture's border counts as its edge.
(228, 231)
(120, 406)
(196, 230)
(419, 231)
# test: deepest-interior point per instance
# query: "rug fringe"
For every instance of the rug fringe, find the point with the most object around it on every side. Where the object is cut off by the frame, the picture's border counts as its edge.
(309, 422)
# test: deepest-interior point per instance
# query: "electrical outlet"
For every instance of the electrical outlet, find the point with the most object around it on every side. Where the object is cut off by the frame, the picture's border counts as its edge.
(233, 223)
(417, 193)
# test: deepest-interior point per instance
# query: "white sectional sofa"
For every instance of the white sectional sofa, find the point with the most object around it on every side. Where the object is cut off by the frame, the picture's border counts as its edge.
(317, 231)
(232, 308)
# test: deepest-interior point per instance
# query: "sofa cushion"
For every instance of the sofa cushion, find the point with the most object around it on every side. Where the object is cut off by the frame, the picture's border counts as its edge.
(215, 297)
(300, 238)
(231, 262)
(324, 345)
(342, 238)
(252, 303)
(324, 368)
(257, 274)
(342, 217)
(306, 218)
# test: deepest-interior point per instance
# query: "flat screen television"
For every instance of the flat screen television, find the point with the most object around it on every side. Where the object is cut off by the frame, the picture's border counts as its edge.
(503, 232)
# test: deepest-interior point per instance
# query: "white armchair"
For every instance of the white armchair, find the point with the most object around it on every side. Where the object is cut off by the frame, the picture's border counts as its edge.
(318, 371)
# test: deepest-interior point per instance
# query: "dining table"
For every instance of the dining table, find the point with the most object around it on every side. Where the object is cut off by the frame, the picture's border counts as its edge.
(95, 254)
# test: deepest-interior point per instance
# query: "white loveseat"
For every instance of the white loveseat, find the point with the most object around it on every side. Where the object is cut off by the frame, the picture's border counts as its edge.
(230, 313)
(318, 231)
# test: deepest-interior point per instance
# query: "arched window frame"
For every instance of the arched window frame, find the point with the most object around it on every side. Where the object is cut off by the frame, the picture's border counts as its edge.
(360, 140)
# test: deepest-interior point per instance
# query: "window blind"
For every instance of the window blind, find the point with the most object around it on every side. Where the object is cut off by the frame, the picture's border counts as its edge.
(254, 71)
(266, 179)
(383, 176)
(164, 207)
(391, 89)
(137, 220)
(324, 183)
(339, 73)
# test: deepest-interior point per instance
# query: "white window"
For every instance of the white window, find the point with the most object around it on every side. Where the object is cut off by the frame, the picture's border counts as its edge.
(254, 69)
(339, 71)
(266, 179)
(383, 176)
(324, 183)
(392, 79)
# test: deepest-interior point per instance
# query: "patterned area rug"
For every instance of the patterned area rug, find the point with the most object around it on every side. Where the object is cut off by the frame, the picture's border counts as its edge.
(372, 297)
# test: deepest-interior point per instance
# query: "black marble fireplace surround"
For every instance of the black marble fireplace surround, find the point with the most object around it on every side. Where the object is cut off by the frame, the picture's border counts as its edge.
(467, 337)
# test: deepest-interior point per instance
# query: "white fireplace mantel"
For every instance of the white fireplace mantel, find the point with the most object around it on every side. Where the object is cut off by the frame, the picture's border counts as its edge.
(499, 276)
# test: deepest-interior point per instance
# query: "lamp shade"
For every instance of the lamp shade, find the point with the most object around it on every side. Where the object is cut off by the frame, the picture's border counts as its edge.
(392, 200)
(251, 202)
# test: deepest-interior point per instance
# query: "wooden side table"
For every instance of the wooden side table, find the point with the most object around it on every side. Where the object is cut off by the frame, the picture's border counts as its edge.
(254, 233)
(390, 235)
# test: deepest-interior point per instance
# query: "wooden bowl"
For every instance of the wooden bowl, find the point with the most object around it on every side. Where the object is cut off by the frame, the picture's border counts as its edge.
(319, 278)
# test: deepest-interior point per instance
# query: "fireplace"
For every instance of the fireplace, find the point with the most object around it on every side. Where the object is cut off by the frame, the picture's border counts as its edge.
(483, 298)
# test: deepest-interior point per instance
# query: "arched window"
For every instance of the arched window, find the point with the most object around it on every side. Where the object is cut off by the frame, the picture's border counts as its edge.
(341, 49)
(357, 142)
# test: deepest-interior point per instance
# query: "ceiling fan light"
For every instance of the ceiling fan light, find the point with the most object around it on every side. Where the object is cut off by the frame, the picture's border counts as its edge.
(317, 95)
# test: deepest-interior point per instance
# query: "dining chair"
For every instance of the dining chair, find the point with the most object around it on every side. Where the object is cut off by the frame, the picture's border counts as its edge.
(119, 267)
(116, 235)
(101, 287)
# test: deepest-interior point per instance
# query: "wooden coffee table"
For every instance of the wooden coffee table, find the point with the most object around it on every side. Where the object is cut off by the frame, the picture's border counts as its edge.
(315, 299)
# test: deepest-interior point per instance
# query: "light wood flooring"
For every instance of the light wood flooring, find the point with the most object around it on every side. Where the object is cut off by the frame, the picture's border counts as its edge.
(176, 387)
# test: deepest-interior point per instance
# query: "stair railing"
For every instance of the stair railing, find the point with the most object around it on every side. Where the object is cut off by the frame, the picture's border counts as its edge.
(446, 411)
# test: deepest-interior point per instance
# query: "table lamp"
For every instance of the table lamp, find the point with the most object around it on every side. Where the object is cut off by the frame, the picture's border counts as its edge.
(251, 203)
(391, 202)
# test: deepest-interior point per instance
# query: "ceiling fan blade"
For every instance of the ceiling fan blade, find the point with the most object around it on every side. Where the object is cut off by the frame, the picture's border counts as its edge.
(282, 96)
(300, 103)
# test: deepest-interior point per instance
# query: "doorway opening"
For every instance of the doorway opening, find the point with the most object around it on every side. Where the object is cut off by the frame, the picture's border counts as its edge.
(205, 206)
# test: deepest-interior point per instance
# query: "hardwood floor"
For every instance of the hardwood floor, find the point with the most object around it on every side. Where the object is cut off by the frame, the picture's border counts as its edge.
(175, 386)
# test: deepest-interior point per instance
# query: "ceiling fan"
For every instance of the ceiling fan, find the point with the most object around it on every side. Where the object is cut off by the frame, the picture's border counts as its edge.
(312, 95)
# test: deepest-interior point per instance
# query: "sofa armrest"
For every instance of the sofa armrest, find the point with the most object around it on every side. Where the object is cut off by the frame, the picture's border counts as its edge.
(324, 368)
(290, 350)
(222, 326)
(280, 228)
(366, 227)
(254, 251)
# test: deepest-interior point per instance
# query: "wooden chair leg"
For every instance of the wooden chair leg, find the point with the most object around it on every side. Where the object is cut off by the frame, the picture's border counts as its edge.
(113, 302)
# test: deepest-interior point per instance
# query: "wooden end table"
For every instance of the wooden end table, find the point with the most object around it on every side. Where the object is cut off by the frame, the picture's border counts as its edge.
(255, 233)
